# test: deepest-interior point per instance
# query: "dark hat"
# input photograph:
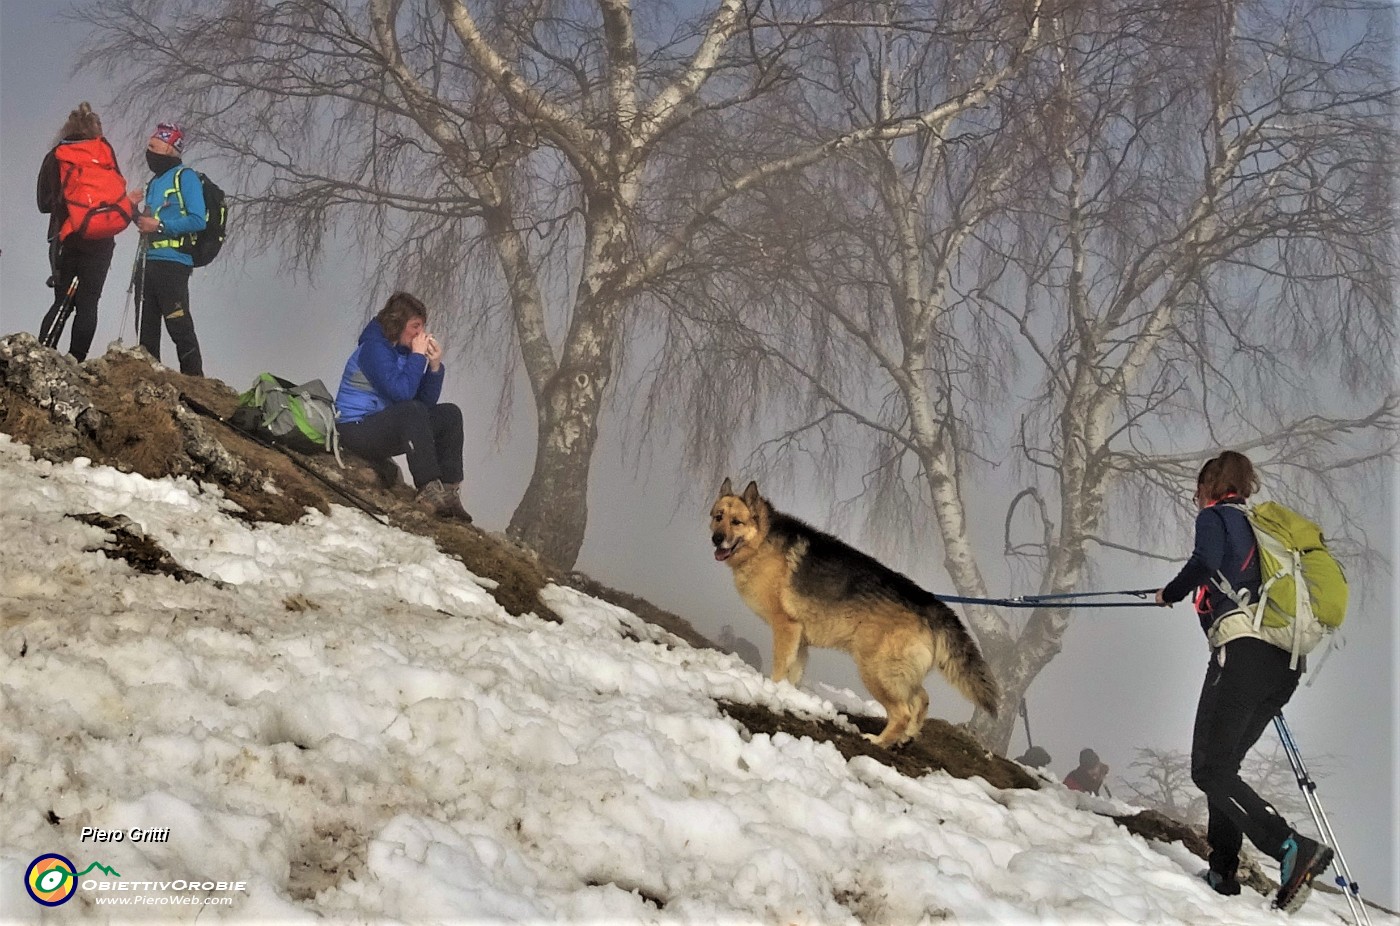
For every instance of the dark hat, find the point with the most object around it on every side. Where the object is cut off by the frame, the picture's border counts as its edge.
(1088, 758)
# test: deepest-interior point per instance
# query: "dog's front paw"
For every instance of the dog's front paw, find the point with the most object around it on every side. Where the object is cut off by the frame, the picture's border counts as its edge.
(896, 746)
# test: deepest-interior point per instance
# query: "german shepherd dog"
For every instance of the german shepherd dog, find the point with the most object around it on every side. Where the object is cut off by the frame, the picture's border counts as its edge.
(813, 589)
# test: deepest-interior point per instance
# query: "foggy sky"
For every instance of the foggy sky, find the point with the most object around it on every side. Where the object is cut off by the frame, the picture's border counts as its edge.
(1125, 679)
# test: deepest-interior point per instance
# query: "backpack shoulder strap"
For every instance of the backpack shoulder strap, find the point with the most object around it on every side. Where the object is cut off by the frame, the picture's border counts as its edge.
(179, 192)
(1241, 597)
(322, 408)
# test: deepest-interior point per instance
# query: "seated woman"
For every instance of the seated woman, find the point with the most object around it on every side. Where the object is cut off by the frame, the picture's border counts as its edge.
(388, 404)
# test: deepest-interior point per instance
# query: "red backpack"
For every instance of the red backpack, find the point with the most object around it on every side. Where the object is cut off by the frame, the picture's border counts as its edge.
(93, 189)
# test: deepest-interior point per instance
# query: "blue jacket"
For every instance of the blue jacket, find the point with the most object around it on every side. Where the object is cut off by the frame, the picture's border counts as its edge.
(381, 373)
(1224, 545)
(181, 213)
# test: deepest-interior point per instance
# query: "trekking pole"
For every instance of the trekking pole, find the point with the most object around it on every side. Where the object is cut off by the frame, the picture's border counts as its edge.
(50, 336)
(352, 497)
(1025, 718)
(138, 271)
(1350, 889)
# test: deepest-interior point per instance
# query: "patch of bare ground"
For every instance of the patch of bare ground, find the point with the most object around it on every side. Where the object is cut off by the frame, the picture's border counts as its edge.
(941, 747)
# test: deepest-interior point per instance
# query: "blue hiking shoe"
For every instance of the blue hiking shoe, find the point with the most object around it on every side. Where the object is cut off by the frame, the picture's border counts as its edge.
(1303, 859)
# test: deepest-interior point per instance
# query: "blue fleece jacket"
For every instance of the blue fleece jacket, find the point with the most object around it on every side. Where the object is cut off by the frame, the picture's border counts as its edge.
(381, 373)
(164, 203)
(1224, 546)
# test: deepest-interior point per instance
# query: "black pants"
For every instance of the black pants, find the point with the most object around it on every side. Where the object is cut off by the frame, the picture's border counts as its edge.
(163, 292)
(1238, 700)
(89, 261)
(431, 435)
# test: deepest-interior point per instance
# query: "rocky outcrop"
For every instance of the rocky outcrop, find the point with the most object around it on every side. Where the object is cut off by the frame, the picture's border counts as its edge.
(120, 409)
(126, 411)
(56, 387)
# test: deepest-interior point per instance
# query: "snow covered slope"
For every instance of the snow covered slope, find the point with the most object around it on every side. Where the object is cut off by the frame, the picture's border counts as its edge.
(339, 723)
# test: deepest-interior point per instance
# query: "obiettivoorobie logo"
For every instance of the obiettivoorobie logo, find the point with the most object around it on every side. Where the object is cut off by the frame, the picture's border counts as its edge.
(51, 879)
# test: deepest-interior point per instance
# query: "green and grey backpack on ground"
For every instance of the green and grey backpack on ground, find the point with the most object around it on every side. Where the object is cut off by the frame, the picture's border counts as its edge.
(1302, 592)
(301, 417)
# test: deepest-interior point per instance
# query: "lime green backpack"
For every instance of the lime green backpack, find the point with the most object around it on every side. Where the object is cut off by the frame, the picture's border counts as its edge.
(301, 417)
(1303, 591)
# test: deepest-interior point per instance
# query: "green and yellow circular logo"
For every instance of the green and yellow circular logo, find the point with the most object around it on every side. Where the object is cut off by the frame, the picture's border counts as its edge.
(49, 879)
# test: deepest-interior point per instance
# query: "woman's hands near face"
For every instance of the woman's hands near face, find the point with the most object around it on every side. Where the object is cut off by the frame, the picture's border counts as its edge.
(433, 350)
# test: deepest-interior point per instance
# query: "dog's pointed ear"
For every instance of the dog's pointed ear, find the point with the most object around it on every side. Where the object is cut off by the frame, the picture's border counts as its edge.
(751, 496)
(727, 488)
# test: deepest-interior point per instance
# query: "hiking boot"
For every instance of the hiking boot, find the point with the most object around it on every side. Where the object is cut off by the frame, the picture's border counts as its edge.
(442, 501)
(1303, 859)
(458, 511)
(1221, 884)
(434, 497)
(455, 511)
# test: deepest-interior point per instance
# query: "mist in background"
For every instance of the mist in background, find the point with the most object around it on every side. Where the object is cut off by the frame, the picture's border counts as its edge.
(1125, 679)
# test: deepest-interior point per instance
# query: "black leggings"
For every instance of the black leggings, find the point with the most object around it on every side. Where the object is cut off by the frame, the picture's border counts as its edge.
(1238, 700)
(89, 262)
(431, 435)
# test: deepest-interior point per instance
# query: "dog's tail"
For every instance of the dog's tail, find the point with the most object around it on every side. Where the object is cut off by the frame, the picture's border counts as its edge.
(960, 660)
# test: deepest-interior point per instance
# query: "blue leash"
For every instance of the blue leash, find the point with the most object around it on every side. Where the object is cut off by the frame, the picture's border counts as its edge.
(1064, 600)
(1134, 592)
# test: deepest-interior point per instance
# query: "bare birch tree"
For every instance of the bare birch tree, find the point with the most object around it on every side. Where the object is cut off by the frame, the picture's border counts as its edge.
(560, 157)
(1161, 780)
(1173, 235)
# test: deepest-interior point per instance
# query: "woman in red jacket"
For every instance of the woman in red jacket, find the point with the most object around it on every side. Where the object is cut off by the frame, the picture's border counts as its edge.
(1089, 775)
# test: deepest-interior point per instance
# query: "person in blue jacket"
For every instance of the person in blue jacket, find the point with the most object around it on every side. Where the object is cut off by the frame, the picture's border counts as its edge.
(1248, 681)
(388, 404)
(172, 211)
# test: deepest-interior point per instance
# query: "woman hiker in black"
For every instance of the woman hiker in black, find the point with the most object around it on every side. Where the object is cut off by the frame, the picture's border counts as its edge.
(1247, 683)
(80, 240)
